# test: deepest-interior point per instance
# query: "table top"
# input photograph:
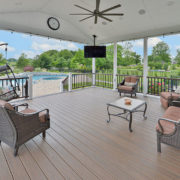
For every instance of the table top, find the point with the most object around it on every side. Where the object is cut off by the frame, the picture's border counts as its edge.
(120, 103)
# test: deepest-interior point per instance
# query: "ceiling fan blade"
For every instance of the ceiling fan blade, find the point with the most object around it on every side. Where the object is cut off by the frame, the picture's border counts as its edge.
(97, 5)
(80, 14)
(86, 18)
(109, 9)
(83, 8)
(95, 20)
(113, 14)
(107, 19)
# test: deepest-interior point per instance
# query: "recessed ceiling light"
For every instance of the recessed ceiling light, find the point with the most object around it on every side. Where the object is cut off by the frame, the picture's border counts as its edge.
(170, 3)
(142, 12)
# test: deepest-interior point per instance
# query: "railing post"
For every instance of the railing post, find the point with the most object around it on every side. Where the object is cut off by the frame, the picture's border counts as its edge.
(30, 87)
(145, 67)
(115, 67)
(93, 71)
(61, 86)
(70, 82)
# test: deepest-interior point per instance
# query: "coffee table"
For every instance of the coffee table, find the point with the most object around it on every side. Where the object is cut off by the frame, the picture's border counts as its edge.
(128, 110)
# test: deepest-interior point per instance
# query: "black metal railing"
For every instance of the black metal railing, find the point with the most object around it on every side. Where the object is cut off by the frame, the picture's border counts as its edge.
(104, 80)
(81, 80)
(5, 84)
(156, 85)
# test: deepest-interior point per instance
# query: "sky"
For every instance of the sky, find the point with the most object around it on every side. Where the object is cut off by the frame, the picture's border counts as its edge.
(31, 45)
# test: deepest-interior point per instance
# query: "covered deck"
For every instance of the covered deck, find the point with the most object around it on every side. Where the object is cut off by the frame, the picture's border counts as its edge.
(81, 145)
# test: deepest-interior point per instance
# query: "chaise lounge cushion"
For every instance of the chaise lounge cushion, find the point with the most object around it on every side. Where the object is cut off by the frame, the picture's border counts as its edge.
(125, 88)
(172, 113)
(167, 95)
(43, 116)
(6, 105)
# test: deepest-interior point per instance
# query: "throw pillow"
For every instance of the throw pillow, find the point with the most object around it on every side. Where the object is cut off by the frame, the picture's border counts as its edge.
(129, 84)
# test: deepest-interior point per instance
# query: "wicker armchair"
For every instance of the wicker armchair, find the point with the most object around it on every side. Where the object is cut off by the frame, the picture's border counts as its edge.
(17, 127)
(129, 85)
(168, 127)
(166, 98)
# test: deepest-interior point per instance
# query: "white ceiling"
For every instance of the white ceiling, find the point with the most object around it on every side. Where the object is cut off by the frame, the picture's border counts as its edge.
(30, 16)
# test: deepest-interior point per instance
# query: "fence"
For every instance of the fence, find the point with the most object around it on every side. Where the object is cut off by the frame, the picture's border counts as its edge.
(156, 85)
(81, 80)
(5, 83)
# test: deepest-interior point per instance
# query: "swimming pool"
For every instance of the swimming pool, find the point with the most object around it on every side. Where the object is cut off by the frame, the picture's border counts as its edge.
(48, 77)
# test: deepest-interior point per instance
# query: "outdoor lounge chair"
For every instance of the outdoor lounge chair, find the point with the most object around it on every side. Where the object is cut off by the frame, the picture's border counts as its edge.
(168, 127)
(17, 127)
(129, 85)
(166, 98)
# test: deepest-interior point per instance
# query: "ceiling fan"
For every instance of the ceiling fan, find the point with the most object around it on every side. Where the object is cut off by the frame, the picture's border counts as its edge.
(96, 13)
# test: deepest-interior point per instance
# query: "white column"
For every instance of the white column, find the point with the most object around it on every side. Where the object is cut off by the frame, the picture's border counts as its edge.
(61, 88)
(145, 67)
(94, 71)
(30, 86)
(115, 67)
(70, 82)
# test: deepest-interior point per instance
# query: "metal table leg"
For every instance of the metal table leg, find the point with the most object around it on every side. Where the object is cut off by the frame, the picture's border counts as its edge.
(130, 122)
(144, 115)
(108, 115)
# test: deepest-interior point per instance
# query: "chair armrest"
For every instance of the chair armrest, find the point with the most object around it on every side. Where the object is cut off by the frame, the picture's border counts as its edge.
(35, 113)
(175, 103)
(122, 83)
(135, 86)
(16, 106)
(169, 120)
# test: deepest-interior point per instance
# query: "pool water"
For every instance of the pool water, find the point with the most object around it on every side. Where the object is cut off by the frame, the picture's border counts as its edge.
(47, 77)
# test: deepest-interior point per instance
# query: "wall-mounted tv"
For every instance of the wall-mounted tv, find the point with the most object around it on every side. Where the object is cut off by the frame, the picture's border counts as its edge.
(94, 51)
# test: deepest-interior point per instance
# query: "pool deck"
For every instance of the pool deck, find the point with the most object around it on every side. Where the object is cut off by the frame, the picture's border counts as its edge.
(81, 145)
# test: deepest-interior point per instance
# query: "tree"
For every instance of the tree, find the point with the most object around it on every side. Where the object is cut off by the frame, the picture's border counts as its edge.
(45, 61)
(2, 60)
(61, 62)
(67, 55)
(161, 53)
(22, 61)
(177, 58)
(79, 61)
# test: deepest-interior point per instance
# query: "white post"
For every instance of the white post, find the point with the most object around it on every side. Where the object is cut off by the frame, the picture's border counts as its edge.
(115, 67)
(30, 87)
(70, 82)
(94, 71)
(61, 86)
(145, 67)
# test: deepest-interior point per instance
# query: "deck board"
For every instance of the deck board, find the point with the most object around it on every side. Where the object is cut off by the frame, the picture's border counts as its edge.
(81, 145)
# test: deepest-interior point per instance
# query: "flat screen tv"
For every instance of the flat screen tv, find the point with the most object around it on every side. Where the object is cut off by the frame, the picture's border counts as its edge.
(94, 51)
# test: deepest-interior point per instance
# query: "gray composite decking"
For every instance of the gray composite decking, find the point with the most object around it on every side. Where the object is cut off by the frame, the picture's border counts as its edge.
(81, 145)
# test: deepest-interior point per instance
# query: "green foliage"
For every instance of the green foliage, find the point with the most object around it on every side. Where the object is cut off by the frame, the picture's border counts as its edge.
(177, 58)
(161, 53)
(2, 60)
(129, 62)
(22, 61)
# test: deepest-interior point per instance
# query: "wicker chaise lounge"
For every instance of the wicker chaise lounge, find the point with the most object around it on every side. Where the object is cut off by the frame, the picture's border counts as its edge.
(168, 127)
(17, 127)
(167, 97)
(129, 85)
